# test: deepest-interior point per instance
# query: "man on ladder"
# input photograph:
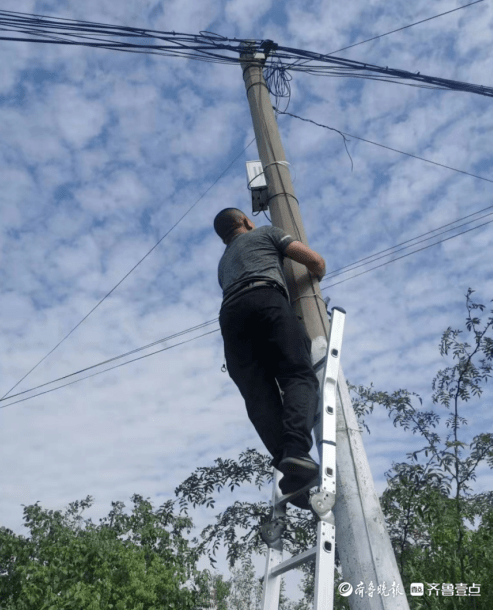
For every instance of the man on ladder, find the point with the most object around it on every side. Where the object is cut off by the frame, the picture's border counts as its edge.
(267, 350)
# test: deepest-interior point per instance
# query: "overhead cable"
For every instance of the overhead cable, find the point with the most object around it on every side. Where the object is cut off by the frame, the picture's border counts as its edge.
(404, 27)
(355, 265)
(460, 171)
(134, 351)
(409, 254)
(333, 274)
(207, 46)
(201, 326)
(131, 270)
(106, 370)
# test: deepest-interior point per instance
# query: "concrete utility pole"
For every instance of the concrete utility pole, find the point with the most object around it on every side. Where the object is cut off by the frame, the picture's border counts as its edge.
(361, 535)
(304, 291)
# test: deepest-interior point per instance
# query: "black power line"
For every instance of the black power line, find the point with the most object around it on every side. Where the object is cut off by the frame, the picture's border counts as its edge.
(203, 325)
(101, 372)
(131, 270)
(404, 27)
(210, 47)
(355, 265)
(134, 351)
(349, 135)
(409, 254)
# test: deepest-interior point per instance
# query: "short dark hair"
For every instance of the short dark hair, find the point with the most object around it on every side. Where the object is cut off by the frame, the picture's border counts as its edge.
(227, 221)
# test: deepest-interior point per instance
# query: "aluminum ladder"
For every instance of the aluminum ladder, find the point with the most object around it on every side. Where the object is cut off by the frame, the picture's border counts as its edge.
(322, 501)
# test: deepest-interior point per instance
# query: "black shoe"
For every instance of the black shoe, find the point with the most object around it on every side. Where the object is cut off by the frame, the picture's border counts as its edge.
(291, 483)
(302, 501)
(299, 464)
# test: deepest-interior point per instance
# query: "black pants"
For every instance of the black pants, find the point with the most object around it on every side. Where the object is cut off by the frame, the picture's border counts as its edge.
(264, 342)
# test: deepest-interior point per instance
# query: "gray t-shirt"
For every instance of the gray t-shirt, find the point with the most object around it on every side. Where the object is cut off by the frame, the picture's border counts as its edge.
(252, 256)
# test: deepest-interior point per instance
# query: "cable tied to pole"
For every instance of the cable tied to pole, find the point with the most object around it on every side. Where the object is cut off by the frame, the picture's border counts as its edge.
(307, 296)
(286, 194)
(285, 163)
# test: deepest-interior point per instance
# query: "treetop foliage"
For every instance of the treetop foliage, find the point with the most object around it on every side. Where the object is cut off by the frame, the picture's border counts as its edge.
(140, 561)
(440, 529)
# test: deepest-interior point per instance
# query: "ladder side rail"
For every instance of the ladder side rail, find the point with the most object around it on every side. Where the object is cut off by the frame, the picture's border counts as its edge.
(272, 582)
(323, 501)
(274, 560)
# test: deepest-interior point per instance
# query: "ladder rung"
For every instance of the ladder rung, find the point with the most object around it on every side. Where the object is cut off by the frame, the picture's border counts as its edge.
(318, 365)
(293, 562)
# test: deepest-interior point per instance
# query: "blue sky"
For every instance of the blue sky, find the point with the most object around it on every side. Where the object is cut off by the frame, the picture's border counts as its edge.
(102, 153)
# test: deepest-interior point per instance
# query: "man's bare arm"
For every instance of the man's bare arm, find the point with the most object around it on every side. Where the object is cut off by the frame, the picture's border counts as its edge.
(306, 256)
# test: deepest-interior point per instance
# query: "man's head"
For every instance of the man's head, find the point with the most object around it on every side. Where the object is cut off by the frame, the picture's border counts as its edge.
(231, 221)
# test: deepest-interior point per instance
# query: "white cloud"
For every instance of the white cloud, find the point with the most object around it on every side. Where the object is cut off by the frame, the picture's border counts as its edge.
(244, 15)
(123, 192)
(185, 16)
(79, 119)
(18, 188)
(102, 153)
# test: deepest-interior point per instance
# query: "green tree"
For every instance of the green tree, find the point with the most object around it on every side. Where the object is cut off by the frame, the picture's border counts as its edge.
(237, 529)
(216, 593)
(430, 505)
(245, 588)
(63, 566)
(246, 591)
(252, 467)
